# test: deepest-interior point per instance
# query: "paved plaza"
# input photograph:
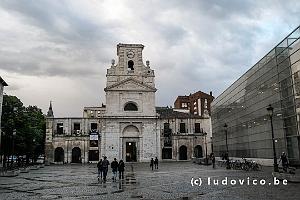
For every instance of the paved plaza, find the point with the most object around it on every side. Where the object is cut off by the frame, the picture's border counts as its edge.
(171, 181)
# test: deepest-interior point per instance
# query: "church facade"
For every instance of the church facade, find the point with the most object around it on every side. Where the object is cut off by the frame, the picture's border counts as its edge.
(128, 126)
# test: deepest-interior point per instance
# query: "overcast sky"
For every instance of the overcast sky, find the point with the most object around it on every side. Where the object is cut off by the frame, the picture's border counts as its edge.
(60, 50)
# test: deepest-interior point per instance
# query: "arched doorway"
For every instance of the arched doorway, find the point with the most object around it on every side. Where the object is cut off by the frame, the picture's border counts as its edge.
(76, 155)
(59, 155)
(183, 153)
(131, 143)
(130, 152)
(198, 151)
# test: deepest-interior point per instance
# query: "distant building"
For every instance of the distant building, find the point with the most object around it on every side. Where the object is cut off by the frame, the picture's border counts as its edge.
(197, 106)
(128, 126)
(184, 135)
(198, 103)
(274, 80)
(2, 85)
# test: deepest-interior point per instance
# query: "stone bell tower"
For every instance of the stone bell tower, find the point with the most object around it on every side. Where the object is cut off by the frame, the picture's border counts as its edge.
(130, 126)
(130, 88)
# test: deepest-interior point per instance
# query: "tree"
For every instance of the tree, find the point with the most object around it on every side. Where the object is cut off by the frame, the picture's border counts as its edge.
(29, 125)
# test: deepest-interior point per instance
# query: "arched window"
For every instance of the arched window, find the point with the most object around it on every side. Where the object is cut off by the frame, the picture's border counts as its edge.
(130, 65)
(130, 106)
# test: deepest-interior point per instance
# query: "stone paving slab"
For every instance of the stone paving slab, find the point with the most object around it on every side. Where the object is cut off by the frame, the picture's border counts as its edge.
(171, 181)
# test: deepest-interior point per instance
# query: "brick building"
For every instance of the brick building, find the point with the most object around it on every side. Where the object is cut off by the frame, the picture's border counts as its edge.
(197, 103)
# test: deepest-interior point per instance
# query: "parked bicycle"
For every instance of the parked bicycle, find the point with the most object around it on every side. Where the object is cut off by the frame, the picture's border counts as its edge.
(242, 165)
(250, 165)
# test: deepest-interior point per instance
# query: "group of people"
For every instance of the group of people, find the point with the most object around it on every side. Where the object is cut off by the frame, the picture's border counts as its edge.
(115, 166)
(154, 163)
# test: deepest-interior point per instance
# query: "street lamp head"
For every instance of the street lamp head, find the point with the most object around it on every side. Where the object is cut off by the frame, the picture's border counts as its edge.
(270, 110)
(225, 126)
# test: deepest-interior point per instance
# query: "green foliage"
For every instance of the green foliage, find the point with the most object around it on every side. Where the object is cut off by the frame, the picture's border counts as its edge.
(27, 122)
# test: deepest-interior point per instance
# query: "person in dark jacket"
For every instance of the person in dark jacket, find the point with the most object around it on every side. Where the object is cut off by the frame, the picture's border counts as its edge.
(213, 160)
(114, 167)
(105, 164)
(151, 163)
(100, 169)
(121, 169)
(284, 161)
(156, 163)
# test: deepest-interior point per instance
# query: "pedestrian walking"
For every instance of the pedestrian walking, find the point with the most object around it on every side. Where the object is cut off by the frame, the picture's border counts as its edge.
(114, 167)
(156, 163)
(284, 161)
(105, 164)
(213, 159)
(151, 163)
(100, 169)
(121, 169)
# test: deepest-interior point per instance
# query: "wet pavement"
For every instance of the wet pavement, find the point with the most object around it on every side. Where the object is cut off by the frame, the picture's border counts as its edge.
(171, 181)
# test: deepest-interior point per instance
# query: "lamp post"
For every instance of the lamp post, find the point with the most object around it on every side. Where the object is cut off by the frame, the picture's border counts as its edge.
(33, 152)
(13, 146)
(227, 152)
(3, 156)
(206, 159)
(270, 110)
(225, 128)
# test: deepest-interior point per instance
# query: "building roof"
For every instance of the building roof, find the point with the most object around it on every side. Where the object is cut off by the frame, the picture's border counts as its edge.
(166, 112)
(3, 82)
(195, 94)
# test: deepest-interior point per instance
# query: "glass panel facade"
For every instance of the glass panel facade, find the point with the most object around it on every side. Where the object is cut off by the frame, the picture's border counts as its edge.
(273, 80)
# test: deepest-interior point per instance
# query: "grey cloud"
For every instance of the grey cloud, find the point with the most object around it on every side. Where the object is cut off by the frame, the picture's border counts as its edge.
(192, 45)
(13, 87)
(48, 14)
(82, 39)
(172, 34)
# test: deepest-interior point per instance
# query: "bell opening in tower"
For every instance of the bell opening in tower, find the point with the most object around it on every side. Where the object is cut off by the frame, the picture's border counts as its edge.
(130, 65)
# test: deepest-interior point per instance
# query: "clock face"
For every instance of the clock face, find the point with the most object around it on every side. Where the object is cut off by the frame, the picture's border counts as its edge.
(130, 54)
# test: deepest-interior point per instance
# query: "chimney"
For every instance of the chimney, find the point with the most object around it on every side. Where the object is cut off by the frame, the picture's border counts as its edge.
(210, 93)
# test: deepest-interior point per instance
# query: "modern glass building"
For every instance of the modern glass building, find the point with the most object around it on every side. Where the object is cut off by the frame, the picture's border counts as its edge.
(275, 80)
